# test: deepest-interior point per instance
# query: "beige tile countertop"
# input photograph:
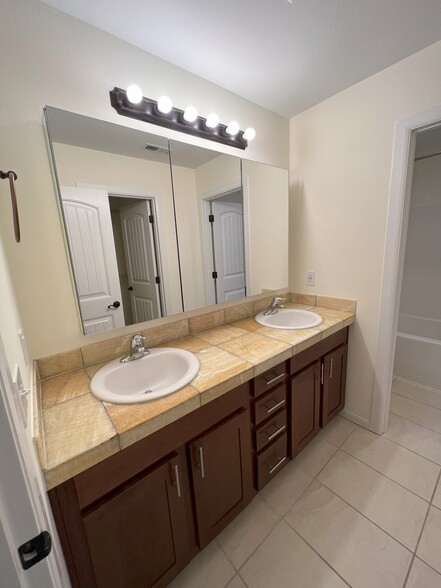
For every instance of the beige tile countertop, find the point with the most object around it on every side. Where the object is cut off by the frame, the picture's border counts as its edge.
(74, 430)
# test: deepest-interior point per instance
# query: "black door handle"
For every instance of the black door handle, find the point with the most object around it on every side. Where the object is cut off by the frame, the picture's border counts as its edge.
(130, 288)
(116, 304)
(35, 550)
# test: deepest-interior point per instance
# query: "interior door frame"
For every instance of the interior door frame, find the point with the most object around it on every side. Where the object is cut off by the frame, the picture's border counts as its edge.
(406, 130)
(206, 239)
(156, 229)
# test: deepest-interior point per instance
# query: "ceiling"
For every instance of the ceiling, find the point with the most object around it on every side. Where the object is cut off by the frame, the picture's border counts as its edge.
(285, 55)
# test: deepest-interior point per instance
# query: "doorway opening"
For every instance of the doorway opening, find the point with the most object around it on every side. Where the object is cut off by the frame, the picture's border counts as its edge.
(410, 134)
(224, 242)
(137, 253)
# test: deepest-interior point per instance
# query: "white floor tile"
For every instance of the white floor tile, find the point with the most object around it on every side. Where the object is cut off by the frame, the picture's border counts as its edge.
(422, 576)
(401, 465)
(429, 548)
(337, 431)
(428, 396)
(393, 508)
(285, 561)
(424, 415)
(285, 489)
(247, 531)
(316, 455)
(415, 437)
(209, 568)
(364, 555)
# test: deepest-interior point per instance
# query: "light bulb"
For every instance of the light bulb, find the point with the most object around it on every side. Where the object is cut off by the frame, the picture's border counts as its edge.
(232, 128)
(249, 134)
(165, 104)
(190, 114)
(134, 94)
(212, 121)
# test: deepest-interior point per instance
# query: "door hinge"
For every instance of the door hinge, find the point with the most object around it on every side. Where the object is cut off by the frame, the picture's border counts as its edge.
(35, 550)
(214, 275)
(151, 218)
(211, 218)
(158, 280)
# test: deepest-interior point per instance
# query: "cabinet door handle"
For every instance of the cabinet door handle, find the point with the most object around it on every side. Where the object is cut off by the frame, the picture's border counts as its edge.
(322, 373)
(279, 377)
(330, 369)
(200, 465)
(280, 430)
(177, 481)
(280, 460)
(271, 409)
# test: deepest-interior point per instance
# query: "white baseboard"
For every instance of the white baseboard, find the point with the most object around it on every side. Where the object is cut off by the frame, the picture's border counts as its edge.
(351, 416)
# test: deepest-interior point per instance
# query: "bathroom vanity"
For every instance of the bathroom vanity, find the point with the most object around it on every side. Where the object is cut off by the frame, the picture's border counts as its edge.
(137, 517)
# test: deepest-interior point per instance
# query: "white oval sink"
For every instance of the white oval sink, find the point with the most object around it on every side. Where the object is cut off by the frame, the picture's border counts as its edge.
(289, 318)
(164, 371)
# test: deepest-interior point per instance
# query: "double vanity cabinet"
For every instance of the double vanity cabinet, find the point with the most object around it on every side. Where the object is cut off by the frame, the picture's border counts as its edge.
(138, 517)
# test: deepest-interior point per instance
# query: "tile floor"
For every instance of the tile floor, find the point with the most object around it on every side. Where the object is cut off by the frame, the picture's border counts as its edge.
(354, 509)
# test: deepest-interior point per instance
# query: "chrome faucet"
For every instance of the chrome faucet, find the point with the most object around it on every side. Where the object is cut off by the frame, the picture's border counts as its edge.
(274, 306)
(138, 349)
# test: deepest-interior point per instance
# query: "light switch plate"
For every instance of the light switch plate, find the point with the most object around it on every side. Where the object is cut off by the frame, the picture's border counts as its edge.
(20, 394)
(24, 346)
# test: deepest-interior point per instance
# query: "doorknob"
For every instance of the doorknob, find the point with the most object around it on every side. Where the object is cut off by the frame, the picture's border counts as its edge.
(116, 304)
(130, 288)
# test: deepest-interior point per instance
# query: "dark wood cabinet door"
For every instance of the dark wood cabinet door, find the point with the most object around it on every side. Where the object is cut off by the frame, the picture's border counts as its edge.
(221, 472)
(142, 535)
(334, 383)
(305, 407)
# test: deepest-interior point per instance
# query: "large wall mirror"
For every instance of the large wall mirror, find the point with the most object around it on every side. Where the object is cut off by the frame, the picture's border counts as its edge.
(155, 227)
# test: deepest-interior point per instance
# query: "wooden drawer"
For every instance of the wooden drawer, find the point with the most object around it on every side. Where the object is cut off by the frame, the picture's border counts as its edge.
(269, 379)
(270, 430)
(266, 406)
(271, 461)
(304, 358)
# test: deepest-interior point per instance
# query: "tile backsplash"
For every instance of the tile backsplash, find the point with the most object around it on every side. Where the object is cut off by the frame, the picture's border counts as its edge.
(109, 349)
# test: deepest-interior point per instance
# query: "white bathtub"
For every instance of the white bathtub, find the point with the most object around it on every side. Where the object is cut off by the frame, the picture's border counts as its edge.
(418, 350)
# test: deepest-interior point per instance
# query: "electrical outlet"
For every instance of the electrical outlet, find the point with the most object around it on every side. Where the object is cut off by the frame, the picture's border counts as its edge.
(310, 278)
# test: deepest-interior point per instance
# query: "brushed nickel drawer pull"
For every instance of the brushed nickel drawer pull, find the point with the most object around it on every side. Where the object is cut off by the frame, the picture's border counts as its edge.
(278, 464)
(201, 461)
(322, 374)
(330, 370)
(269, 382)
(177, 480)
(280, 430)
(271, 409)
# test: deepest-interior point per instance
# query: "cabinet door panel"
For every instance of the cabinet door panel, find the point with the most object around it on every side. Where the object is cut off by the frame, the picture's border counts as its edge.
(221, 470)
(135, 538)
(305, 407)
(334, 384)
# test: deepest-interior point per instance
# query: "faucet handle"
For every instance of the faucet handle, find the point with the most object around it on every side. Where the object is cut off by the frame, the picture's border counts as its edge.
(137, 341)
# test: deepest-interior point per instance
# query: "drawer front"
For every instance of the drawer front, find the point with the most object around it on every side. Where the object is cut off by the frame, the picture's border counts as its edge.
(267, 406)
(270, 430)
(304, 358)
(273, 459)
(269, 379)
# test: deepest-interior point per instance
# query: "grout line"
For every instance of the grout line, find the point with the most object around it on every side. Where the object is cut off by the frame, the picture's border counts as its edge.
(421, 533)
(386, 476)
(405, 446)
(367, 518)
(416, 401)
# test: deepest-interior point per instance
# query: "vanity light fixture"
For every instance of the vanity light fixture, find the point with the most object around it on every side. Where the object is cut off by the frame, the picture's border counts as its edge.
(162, 113)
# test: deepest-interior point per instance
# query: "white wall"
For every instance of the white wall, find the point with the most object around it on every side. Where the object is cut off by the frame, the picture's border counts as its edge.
(266, 188)
(47, 57)
(341, 153)
(421, 289)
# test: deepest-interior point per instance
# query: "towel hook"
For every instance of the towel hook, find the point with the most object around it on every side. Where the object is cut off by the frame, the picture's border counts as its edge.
(12, 176)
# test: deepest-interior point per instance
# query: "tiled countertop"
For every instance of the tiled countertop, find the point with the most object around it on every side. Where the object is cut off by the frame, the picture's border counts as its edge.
(75, 430)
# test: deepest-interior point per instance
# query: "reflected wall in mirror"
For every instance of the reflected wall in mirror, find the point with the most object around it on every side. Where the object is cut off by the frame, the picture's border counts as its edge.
(140, 236)
(232, 223)
(117, 205)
